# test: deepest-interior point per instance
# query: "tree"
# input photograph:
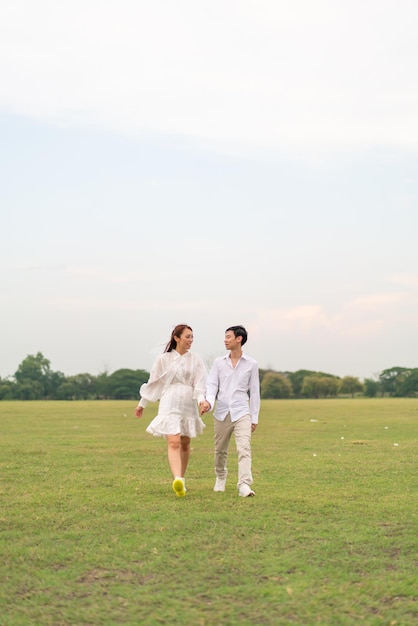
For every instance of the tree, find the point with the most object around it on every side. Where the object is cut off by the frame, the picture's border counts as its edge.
(6, 389)
(85, 385)
(67, 391)
(371, 387)
(124, 384)
(408, 383)
(54, 381)
(28, 390)
(350, 384)
(33, 367)
(391, 379)
(34, 370)
(310, 386)
(102, 384)
(316, 386)
(328, 386)
(297, 379)
(275, 385)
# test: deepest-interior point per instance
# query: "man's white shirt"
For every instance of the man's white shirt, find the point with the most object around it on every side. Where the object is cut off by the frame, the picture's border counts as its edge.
(230, 387)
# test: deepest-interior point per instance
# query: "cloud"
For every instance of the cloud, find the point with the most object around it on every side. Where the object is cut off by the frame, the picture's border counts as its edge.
(115, 304)
(376, 302)
(243, 77)
(299, 319)
(25, 269)
(408, 279)
(363, 316)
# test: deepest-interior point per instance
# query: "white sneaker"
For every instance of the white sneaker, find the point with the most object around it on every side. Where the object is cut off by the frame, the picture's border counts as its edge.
(220, 484)
(245, 491)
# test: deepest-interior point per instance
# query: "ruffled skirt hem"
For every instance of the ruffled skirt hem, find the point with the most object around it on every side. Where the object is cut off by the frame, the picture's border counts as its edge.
(187, 427)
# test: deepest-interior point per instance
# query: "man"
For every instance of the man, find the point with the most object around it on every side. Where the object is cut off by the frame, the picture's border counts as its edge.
(234, 382)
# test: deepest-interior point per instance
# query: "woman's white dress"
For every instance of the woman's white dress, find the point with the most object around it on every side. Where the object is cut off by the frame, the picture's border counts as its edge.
(178, 381)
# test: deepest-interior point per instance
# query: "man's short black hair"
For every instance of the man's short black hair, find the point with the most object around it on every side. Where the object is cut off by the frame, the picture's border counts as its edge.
(239, 331)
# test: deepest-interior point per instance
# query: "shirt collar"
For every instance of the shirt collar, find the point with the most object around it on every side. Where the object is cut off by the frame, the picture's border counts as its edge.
(177, 355)
(243, 355)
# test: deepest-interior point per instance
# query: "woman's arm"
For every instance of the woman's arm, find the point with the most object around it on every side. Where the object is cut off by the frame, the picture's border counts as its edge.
(151, 391)
(199, 379)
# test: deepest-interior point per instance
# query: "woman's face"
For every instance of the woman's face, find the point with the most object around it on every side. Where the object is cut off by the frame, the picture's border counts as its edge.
(185, 341)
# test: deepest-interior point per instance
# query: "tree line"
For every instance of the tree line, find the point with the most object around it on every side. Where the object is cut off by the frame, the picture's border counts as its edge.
(34, 380)
(397, 382)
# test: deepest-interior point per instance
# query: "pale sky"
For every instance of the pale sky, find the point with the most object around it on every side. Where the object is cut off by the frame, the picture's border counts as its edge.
(212, 163)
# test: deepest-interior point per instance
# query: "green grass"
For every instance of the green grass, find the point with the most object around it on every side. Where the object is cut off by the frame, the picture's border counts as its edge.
(91, 532)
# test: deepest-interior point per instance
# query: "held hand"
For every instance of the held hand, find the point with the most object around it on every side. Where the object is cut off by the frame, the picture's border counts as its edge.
(138, 411)
(204, 407)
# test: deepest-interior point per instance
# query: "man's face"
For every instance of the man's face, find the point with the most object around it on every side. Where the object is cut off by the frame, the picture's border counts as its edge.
(231, 341)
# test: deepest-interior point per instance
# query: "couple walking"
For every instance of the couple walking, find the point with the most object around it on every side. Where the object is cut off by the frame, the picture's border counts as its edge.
(178, 379)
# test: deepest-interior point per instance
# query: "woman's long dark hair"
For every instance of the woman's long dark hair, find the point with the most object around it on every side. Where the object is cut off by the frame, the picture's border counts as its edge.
(177, 331)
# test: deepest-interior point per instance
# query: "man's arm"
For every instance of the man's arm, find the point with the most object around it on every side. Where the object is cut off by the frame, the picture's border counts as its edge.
(254, 389)
(212, 385)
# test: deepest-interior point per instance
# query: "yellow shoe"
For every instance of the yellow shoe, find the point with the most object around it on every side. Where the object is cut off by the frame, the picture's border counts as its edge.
(178, 487)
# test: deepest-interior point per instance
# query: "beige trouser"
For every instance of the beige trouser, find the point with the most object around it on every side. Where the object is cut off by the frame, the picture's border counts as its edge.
(242, 433)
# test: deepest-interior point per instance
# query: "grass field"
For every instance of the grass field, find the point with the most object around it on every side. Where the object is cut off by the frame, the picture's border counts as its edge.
(92, 534)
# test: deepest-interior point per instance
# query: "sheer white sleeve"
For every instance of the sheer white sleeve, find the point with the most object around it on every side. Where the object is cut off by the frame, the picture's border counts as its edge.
(199, 379)
(161, 374)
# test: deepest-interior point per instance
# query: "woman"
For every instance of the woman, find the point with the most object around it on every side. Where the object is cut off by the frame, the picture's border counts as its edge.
(178, 380)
